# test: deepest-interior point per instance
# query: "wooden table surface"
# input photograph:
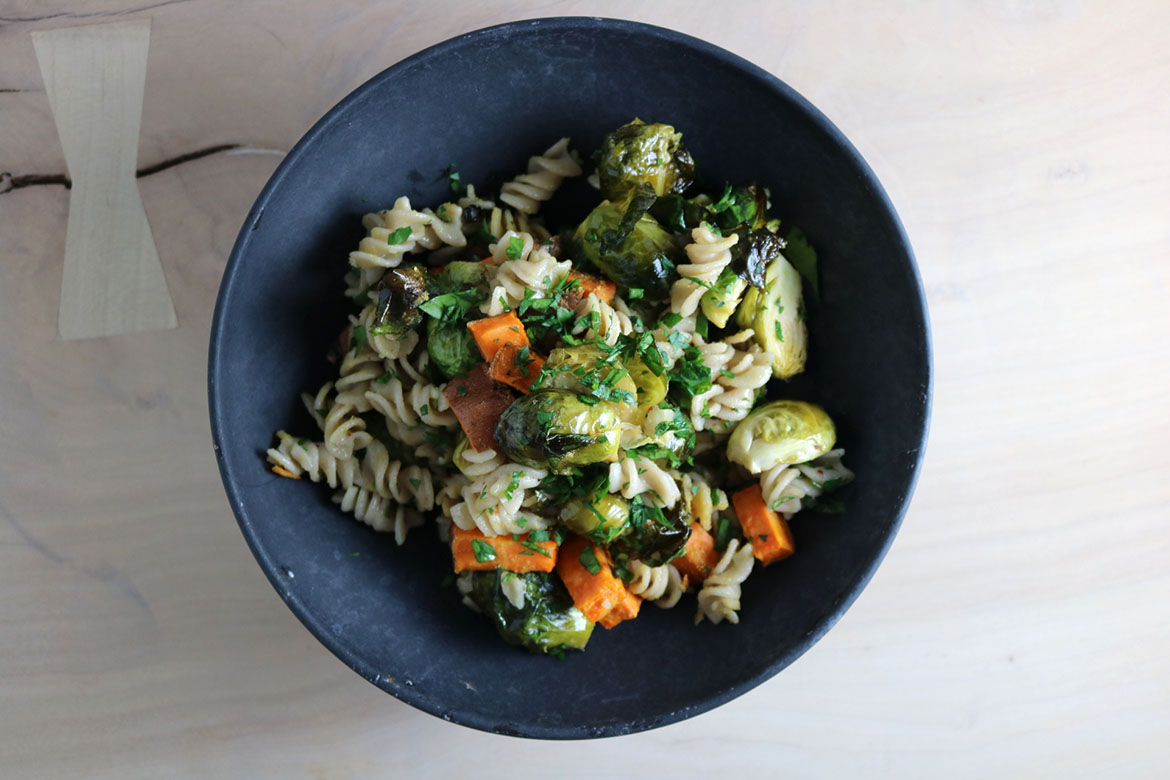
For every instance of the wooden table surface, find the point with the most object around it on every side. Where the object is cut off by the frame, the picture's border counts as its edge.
(1020, 625)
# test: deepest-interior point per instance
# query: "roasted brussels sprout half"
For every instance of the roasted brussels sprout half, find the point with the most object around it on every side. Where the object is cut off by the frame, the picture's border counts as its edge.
(781, 432)
(548, 621)
(720, 301)
(587, 369)
(452, 348)
(776, 315)
(558, 429)
(602, 517)
(639, 153)
(400, 293)
(651, 387)
(750, 257)
(460, 275)
(655, 536)
(643, 258)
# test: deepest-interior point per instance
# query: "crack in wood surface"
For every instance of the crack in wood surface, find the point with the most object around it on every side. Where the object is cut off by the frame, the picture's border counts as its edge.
(73, 15)
(10, 182)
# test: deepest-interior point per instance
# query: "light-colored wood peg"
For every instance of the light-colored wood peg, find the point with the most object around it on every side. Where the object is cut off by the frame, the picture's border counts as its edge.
(95, 76)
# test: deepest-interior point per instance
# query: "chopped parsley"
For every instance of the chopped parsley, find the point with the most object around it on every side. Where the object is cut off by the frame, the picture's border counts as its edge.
(386, 377)
(635, 293)
(400, 235)
(484, 552)
(359, 338)
(453, 307)
(515, 249)
(458, 188)
(589, 560)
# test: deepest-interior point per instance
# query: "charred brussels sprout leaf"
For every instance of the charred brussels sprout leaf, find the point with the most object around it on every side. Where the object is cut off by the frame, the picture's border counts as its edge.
(558, 429)
(677, 214)
(645, 258)
(401, 293)
(655, 536)
(547, 622)
(744, 205)
(639, 153)
(752, 253)
(451, 347)
(781, 432)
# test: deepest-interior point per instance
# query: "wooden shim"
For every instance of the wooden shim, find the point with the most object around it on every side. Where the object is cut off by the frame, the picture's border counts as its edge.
(95, 76)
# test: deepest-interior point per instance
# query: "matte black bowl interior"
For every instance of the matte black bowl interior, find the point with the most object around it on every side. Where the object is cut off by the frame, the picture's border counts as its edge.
(486, 101)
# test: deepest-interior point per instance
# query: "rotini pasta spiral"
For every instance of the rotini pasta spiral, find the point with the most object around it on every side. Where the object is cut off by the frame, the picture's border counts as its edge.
(420, 404)
(603, 321)
(474, 463)
(661, 584)
(737, 376)
(719, 598)
(312, 459)
(406, 484)
(545, 173)
(784, 486)
(709, 254)
(632, 477)
(388, 346)
(493, 502)
(379, 512)
(534, 270)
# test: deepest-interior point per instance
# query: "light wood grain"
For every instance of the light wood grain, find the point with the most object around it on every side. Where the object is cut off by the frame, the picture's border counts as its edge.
(112, 281)
(1020, 626)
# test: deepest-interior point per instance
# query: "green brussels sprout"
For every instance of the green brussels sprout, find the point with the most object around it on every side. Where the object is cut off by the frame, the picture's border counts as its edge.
(781, 432)
(461, 275)
(776, 315)
(559, 429)
(602, 517)
(720, 301)
(400, 293)
(547, 622)
(632, 252)
(587, 369)
(651, 387)
(639, 153)
(655, 536)
(452, 347)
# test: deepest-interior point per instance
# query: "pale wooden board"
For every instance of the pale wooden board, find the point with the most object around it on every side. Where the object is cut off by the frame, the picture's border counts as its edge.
(113, 282)
(1020, 626)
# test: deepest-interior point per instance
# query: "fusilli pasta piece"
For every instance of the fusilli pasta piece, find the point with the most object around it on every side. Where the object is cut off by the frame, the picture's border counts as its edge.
(533, 268)
(661, 584)
(602, 320)
(720, 594)
(639, 476)
(406, 484)
(379, 512)
(784, 486)
(709, 254)
(420, 404)
(492, 503)
(474, 463)
(312, 459)
(545, 173)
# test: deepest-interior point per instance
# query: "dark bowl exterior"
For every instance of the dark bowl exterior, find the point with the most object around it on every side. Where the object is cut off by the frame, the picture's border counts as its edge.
(486, 101)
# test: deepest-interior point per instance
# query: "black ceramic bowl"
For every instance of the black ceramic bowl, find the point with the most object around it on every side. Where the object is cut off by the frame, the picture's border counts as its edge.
(486, 101)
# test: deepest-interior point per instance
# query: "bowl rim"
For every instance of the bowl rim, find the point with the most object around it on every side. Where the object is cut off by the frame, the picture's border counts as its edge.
(413, 696)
